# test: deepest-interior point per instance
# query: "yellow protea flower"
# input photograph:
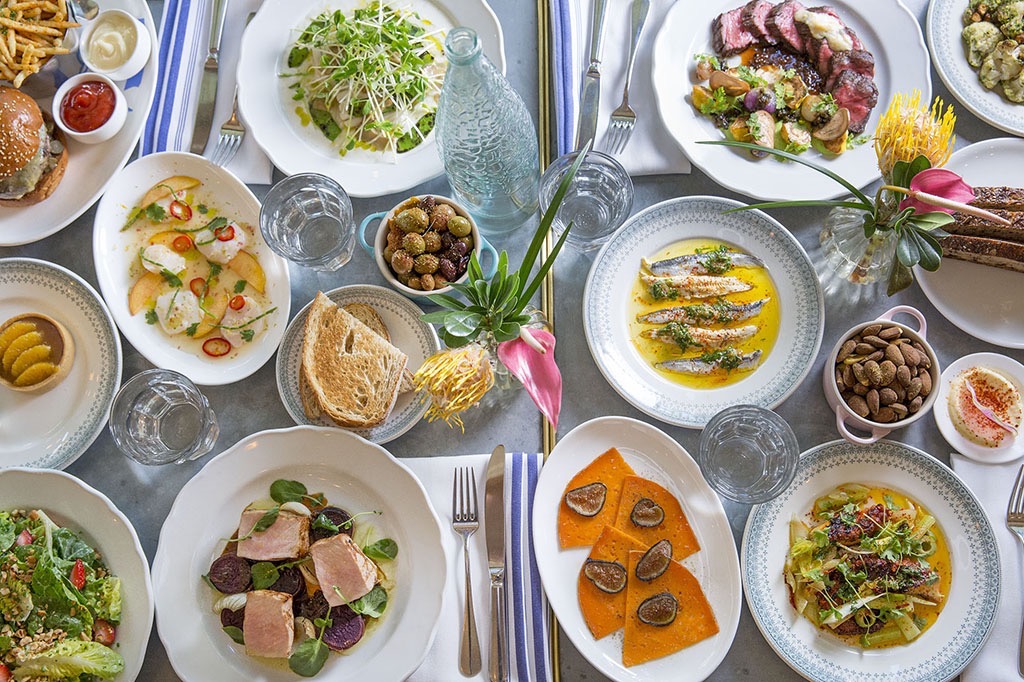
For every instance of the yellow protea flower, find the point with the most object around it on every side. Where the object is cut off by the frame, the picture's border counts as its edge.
(908, 130)
(454, 380)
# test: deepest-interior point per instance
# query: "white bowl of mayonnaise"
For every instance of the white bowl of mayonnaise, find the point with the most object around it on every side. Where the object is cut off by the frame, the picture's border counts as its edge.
(115, 44)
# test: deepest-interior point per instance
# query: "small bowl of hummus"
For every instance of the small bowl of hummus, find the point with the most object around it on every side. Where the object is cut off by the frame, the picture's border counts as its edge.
(979, 408)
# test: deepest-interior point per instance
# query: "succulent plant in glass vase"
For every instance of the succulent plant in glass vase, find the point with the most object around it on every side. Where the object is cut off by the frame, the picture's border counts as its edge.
(493, 334)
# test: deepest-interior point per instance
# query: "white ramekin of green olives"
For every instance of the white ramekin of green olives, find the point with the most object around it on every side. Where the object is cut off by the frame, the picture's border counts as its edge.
(424, 243)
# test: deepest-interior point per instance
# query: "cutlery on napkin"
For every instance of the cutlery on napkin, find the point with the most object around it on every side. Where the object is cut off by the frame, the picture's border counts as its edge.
(652, 151)
(184, 29)
(992, 483)
(529, 658)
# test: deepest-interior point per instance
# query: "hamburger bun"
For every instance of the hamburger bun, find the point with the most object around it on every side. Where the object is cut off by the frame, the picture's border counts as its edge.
(20, 122)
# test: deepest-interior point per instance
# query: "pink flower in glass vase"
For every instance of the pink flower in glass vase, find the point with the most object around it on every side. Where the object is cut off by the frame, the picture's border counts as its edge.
(938, 189)
(531, 359)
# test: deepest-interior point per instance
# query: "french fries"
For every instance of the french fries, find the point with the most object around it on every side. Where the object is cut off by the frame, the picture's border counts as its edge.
(31, 32)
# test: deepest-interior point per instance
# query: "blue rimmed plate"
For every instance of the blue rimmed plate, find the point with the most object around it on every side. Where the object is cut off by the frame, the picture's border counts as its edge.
(606, 303)
(415, 338)
(964, 622)
(944, 27)
(50, 430)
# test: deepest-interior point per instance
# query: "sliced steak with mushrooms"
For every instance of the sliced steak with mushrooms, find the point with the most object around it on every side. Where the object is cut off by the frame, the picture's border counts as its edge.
(859, 95)
(755, 18)
(781, 24)
(728, 35)
(858, 61)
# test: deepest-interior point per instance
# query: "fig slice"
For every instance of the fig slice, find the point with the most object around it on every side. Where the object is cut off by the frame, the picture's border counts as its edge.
(646, 513)
(608, 576)
(659, 610)
(587, 500)
(655, 561)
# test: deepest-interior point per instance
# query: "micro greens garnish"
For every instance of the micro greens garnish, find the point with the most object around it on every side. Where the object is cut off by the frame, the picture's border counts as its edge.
(309, 657)
(375, 67)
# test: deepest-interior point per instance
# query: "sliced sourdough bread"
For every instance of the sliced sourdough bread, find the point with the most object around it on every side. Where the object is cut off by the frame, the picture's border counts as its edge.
(352, 372)
(369, 316)
(995, 252)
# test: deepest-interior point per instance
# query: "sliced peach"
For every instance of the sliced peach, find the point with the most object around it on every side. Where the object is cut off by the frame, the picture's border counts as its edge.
(248, 268)
(143, 291)
(167, 187)
(215, 306)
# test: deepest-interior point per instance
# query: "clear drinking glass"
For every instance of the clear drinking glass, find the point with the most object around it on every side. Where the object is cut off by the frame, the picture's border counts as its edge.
(597, 202)
(160, 417)
(748, 453)
(307, 218)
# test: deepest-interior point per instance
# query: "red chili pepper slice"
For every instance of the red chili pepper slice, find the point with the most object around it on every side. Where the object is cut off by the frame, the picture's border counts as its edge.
(103, 632)
(226, 233)
(180, 210)
(5, 673)
(182, 243)
(78, 574)
(237, 302)
(197, 286)
(24, 538)
(216, 347)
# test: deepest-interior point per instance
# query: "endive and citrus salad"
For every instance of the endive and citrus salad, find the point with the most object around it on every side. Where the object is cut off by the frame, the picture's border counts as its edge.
(869, 565)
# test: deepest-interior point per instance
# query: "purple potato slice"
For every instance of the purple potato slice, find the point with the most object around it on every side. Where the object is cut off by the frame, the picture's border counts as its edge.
(229, 618)
(230, 574)
(335, 515)
(311, 607)
(291, 582)
(346, 629)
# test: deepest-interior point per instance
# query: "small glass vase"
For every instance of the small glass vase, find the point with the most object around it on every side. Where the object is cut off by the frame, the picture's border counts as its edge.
(505, 383)
(856, 267)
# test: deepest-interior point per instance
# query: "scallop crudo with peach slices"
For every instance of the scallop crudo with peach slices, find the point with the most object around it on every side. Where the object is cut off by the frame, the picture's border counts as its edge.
(195, 275)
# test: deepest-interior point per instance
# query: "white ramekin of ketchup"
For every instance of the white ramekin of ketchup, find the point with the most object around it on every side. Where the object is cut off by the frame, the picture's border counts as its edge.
(115, 44)
(89, 108)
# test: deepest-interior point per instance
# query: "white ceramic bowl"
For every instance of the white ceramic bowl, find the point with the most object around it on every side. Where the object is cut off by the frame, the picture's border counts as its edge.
(135, 61)
(106, 131)
(69, 501)
(380, 242)
(845, 417)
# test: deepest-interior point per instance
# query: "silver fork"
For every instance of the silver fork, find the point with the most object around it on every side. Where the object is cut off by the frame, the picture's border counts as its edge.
(230, 138)
(465, 521)
(1015, 522)
(620, 129)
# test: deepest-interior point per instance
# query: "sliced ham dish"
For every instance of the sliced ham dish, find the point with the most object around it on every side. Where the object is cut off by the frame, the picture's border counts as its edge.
(804, 78)
(300, 577)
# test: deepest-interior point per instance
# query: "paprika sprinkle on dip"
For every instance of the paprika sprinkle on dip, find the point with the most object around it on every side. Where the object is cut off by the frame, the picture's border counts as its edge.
(87, 106)
(985, 406)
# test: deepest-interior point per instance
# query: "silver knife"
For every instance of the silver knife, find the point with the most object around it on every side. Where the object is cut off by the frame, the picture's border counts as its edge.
(494, 530)
(590, 93)
(208, 86)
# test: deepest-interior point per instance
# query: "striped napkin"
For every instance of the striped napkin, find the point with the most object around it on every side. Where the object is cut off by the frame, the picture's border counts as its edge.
(526, 606)
(651, 150)
(184, 39)
(992, 483)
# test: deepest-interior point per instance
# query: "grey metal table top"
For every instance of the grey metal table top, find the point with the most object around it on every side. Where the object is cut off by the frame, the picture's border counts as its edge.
(146, 494)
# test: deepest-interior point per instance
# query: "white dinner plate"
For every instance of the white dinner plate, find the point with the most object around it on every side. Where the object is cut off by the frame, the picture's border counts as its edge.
(963, 624)
(415, 338)
(351, 473)
(982, 300)
(887, 28)
(114, 254)
(85, 510)
(1013, 447)
(606, 301)
(90, 166)
(654, 455)
(50, 430)
(944, 26)
(269, 110)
